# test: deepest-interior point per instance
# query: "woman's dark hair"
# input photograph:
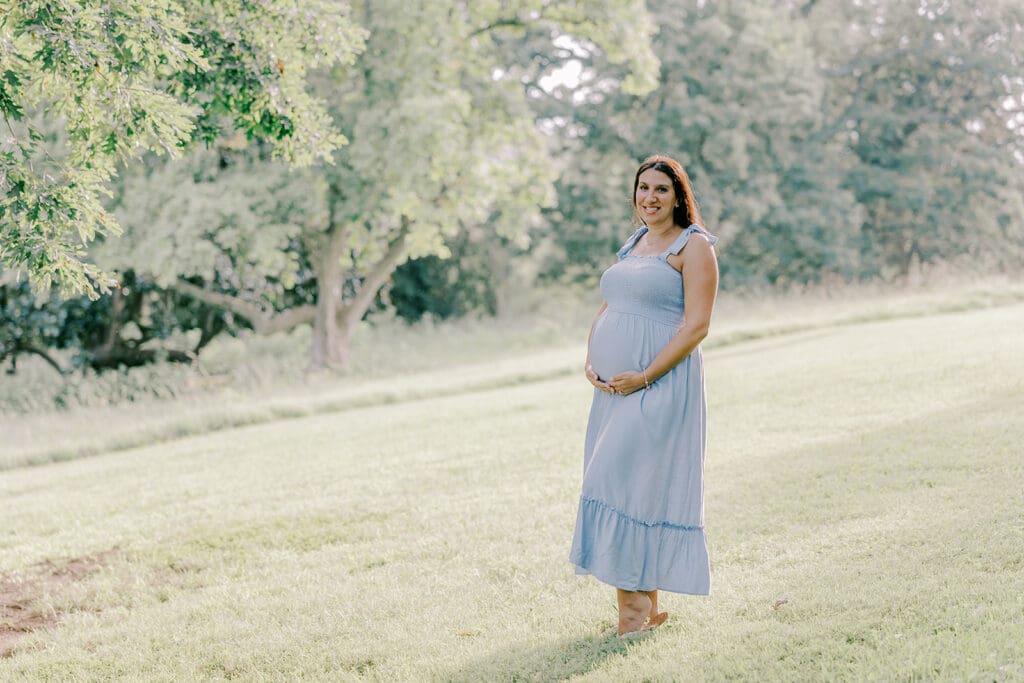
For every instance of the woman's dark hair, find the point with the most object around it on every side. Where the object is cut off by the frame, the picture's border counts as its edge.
(686, 213)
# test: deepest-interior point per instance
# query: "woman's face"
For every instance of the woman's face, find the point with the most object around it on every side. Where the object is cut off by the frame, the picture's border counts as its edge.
(655, 197)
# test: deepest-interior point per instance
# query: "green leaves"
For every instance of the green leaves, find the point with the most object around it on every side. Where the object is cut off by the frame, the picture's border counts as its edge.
(45, 220)
(127, 77)
(847, 140)
(926, 102)
(10, 84)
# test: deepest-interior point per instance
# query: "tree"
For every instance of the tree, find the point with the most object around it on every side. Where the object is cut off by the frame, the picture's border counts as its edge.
(928, 97)
(441, 138)
(825, 140)
(737, 102)
(136, 324)
(127, 77)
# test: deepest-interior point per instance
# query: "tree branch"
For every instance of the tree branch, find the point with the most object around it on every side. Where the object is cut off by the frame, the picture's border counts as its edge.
(262, 321)
(42, 354)
(872, 62)
(213, 325)
(500, 23)
(376, 278)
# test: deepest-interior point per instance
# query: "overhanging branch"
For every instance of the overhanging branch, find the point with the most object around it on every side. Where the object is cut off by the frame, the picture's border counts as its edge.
(378, 275)
(500, 23)
(29, 348)
(262, 320)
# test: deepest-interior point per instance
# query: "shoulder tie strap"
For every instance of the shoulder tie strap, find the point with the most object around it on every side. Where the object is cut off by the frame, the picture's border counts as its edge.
(631, 242)
(684, 237)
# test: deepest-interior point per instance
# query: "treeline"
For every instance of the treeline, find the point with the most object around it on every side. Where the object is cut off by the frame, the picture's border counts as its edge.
(477, 147)
(826, 140)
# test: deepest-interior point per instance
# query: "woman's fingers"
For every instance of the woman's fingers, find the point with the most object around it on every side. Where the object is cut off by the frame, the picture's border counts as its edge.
(621, 383)
(624, 385)
(595, 380)
(598, 382)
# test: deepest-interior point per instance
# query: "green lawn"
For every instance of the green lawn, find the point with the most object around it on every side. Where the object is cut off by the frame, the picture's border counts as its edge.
(865, 515)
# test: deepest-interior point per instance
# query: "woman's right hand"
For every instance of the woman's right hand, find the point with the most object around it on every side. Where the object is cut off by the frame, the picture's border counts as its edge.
(595, 380)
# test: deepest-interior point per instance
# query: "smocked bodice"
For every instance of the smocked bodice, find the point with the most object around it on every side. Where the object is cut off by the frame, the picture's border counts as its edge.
(647, 286)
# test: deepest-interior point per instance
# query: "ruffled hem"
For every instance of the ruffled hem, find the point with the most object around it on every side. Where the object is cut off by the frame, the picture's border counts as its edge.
(639, 555)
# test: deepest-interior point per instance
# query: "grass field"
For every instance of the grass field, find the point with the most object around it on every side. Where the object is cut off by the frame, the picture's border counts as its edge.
(864, 507)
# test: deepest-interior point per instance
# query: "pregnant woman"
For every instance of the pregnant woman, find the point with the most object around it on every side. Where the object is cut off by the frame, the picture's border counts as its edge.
(640, 524)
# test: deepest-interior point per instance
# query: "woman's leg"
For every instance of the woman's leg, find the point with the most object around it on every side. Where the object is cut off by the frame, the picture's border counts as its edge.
(655, 617)
(634, 608)
(653, 595)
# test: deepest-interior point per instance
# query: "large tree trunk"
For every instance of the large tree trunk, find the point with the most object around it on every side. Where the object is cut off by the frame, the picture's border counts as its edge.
(336, 321)
(330, 345)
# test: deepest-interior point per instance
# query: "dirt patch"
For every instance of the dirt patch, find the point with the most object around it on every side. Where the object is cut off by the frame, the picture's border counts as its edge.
(20, 611)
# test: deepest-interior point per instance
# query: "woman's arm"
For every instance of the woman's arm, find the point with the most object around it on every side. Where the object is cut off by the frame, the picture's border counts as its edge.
(700, 285)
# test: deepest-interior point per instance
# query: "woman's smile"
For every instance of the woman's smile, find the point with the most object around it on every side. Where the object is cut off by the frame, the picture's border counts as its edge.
(654, 195)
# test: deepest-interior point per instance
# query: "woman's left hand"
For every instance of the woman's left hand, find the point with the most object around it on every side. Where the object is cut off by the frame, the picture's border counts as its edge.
(626, 383)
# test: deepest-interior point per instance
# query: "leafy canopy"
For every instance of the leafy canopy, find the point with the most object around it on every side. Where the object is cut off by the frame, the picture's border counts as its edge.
(128, 77)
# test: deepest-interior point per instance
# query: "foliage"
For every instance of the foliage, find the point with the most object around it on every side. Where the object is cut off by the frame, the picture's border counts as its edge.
(825, 142)
(105, 333)
(446, 287)
(133, 76)
(31, 326)
(927, 99)
(439, 143)
(138, 323)
(489, 144)
(221, 215)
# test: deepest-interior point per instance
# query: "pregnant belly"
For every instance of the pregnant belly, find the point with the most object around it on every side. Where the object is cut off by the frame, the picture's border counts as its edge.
(616, 345)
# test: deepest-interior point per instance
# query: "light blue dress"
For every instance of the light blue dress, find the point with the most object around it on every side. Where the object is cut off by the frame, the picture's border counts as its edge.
(640, 524)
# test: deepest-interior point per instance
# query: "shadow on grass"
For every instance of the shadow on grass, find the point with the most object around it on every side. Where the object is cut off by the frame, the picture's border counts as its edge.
(554, 661)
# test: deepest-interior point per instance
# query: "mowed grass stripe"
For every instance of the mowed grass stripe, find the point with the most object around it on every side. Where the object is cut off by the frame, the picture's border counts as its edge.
(870, 477)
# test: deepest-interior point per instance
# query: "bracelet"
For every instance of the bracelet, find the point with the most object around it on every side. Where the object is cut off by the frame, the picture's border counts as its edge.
(647, 385)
